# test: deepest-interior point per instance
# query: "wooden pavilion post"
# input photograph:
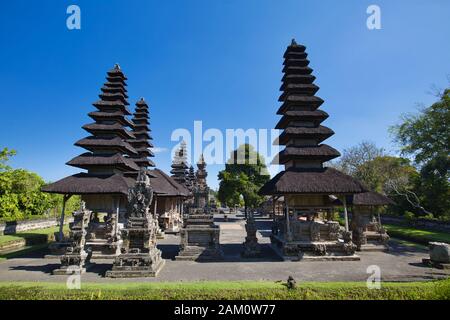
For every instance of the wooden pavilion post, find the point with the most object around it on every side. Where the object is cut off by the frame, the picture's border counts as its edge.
(344, 202)
(288, 227)
(61, 219)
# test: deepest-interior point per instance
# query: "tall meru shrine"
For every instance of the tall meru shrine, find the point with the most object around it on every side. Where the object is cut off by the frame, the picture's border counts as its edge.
(128, 204)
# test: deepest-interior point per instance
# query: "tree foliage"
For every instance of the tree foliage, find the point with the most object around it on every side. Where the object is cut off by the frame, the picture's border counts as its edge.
(426, 137)
(20, 195)
(245, 173)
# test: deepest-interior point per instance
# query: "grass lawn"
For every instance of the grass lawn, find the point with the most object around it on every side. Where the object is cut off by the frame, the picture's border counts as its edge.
(416, 235)
(31, 235)
(217, 290)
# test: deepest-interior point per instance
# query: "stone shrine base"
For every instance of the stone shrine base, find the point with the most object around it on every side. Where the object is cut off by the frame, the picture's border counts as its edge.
(137, 265)
(306, 251)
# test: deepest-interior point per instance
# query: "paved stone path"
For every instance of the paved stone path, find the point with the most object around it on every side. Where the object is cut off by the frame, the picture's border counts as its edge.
(402, 263)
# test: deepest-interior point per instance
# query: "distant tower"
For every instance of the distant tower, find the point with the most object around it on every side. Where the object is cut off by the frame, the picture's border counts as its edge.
(142, 135)
(179, 165)
(192, 179)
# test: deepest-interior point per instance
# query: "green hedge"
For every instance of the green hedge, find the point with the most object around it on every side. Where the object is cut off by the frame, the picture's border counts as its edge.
(416, 235)
(228, 290)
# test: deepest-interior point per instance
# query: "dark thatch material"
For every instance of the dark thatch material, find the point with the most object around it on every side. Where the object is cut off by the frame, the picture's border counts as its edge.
(295, 100)
(88, 160)
(116, 127)
(84, 183)
(297, 78)
(93, 143)
(167, 186)
(316, 117)
(321, 152)
(371, 198)
(319, 133)
(117, 116)
(312, 181)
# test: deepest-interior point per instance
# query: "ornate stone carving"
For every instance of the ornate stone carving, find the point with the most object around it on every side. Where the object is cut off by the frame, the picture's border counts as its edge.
(139, 257)
(74, 259)
(251, 246)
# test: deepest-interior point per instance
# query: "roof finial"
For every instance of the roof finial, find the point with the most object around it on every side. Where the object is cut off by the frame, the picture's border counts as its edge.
(117, 66)
(293, 42)
(142, 99)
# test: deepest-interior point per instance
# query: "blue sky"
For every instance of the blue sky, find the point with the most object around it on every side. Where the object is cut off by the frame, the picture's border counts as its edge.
(216, 61)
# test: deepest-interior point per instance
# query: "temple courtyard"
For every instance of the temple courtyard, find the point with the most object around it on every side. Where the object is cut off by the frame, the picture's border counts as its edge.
(401, 263)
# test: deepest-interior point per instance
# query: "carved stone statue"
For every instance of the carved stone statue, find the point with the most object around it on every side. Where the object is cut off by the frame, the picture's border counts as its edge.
(251, 246)
(73, 261)
(139, 256)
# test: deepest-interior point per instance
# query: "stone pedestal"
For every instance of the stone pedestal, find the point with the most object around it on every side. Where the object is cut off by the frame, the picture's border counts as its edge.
(139, 256)
(252, 248)
(439, 255)
(313, 241)
(74, 259)
(200, 239)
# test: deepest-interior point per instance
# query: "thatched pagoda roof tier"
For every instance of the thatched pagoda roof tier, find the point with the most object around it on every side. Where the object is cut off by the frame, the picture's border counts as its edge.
(316, 117)
(88, 160)
(117, 116)
(298, 79)
(143, 161)
(288, 55)
(141, 143)
(297, 70)
(112, 106)
(141, 121)
(292, 88)
(146, 151)
(295, 101)
(97, 128)
(94, 144)
(114, 89)
(116, 72)
(312, 181)
(116, 79)
(321, 152)
(319, 134)
(296, 63)
(141, 127)
(114, 85)
(114, 96)
(166, 186)
(140, 134)
(84, 183)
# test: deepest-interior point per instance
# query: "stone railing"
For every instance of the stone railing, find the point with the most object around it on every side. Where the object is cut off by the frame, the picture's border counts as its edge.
(25, 225)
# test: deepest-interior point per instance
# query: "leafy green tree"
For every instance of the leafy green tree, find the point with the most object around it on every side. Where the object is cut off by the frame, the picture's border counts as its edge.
(20, 195)
(426, 137)
(245, 173)
(5, 154)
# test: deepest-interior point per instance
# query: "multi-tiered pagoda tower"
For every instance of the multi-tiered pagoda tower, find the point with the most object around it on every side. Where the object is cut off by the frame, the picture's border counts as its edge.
(104, 186)
(141, 131)
(306, 184)
(192, 179)
(179, 165)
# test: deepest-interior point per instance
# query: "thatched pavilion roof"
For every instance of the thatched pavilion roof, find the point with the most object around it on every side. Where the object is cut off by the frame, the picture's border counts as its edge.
(312, 181)
(166, 186)
(84, 183)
